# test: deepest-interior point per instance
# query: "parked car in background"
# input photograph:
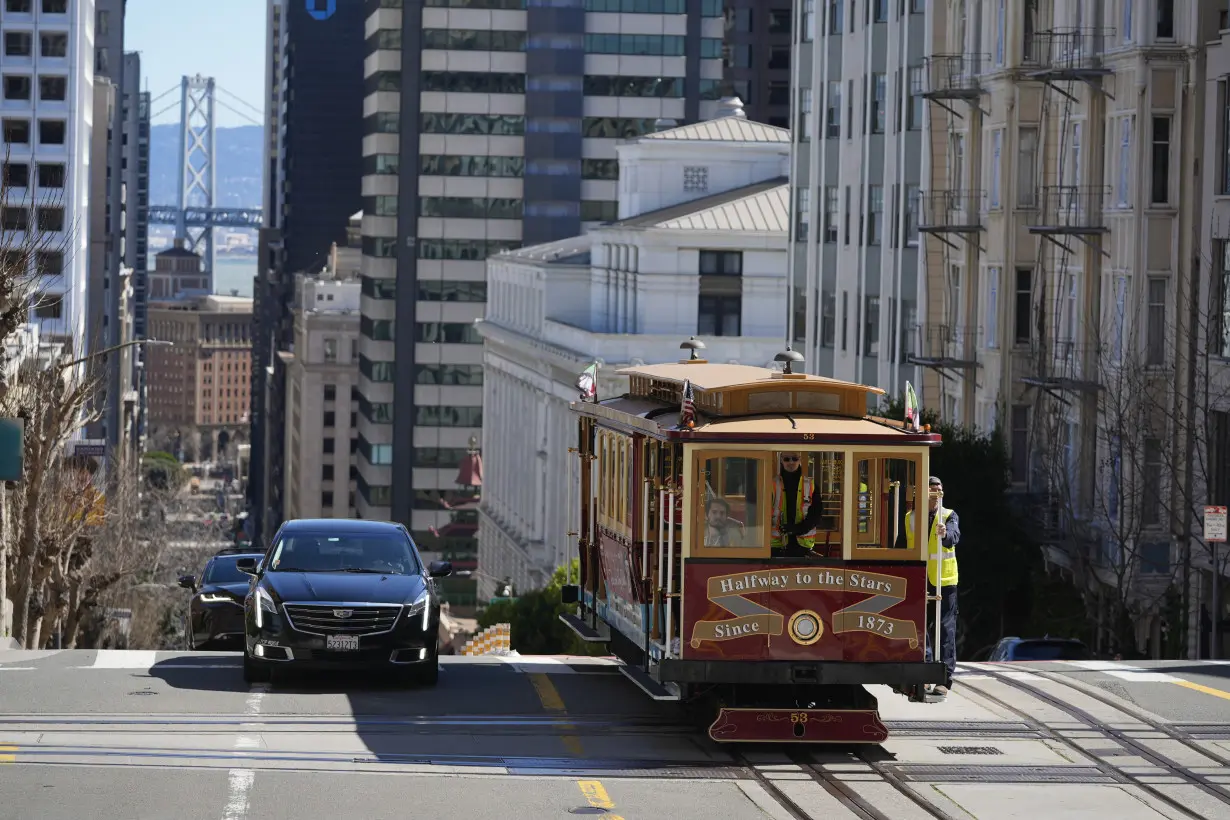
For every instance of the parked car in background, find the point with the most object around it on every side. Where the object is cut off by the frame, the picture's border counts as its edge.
(1039, 649)
(215, 613)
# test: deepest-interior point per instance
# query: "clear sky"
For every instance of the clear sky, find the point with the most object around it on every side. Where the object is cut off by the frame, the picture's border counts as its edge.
(223, 39)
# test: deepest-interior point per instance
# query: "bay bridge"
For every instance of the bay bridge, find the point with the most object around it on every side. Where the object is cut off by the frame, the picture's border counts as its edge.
(195, 213)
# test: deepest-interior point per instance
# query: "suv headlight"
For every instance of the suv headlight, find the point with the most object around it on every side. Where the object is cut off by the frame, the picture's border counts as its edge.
(264, 603)
(215, 598)
(419, 605)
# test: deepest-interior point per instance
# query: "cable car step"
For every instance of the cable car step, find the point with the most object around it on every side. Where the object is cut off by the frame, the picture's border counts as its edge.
(586, 632)
(647, 684)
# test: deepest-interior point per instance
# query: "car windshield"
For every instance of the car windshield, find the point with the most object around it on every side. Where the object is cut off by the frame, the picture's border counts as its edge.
(1050, 651)
(224, 571)
(387, 553)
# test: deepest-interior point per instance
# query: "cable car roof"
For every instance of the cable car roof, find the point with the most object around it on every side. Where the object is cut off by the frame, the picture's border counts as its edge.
(707, 376)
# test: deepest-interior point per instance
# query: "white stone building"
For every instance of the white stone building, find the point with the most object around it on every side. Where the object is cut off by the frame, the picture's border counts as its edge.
(700, 249)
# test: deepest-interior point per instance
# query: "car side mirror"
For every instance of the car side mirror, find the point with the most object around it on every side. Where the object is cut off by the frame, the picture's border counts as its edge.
(440, 569)
(247, 565)
(187, 581)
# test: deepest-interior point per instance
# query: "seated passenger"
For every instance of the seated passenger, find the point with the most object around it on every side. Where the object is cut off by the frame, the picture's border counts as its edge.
(796, 510)
(720, 529)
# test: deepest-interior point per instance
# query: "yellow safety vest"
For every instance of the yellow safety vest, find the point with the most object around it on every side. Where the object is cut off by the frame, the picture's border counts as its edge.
(779, 505)
(947, 556)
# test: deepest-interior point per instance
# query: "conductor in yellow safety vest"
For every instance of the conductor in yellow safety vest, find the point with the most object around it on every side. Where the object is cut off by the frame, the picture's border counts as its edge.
(793, 492)
(944, 532)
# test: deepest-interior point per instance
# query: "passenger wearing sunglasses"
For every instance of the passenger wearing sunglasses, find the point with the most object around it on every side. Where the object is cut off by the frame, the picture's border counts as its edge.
(796, 511)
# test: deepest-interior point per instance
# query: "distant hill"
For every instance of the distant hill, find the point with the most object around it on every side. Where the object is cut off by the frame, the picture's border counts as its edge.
(240, 154)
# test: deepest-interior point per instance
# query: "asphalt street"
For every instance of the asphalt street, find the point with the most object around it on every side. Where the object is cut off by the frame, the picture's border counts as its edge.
(133, 735)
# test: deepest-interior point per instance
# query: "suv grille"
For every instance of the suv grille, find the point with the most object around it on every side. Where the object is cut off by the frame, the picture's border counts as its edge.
(364, 620)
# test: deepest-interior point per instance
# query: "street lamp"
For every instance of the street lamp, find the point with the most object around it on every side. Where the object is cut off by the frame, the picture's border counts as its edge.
(113, 349)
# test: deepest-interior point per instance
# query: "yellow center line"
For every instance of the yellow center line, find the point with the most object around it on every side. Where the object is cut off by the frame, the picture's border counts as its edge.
(550, 698)
(597, 797)
(1208, 690)
(8, 753)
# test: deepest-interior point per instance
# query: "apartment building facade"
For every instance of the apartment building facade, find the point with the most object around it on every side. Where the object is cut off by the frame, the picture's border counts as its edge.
(46, 112)
(488, 126)
(1061, 210)
(858, 136)
(757, 58)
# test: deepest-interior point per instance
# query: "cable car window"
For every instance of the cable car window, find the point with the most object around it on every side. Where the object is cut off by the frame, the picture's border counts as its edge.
(886, 492)
(732, 514)
(807, 494)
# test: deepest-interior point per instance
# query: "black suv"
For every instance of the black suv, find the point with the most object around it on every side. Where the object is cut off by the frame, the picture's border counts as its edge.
(215, 613)
(342, 594)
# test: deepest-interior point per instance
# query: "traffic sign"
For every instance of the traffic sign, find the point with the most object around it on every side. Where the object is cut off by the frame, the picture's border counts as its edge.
(1214, 524)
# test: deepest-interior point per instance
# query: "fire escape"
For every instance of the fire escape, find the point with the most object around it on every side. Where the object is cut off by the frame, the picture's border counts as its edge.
(952, 214)
(1063, 359)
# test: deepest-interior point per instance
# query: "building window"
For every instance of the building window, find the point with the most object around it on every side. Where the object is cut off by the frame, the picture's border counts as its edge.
(17, 132)
(1020, 442)
(719, 315)
(18, 6)
(447, 333)
(1165, 19)
(18, 44)
(53, 44)
(1027, 168)
(804, 124)
(330, 350)
(845, 220)
(49, 306)
(471, 39)
(836, 10)
(992, 317)
(828, 319)
(16, 87)
(16, 175)
(1001, 22)
(51, 132)
(1155, 351)
(879, 91)
(1126, 124)
(913, 198)
(1119, 318)
(833, 129)
(432, 290)
(448, 416)
(830, 214)
(875, 214)
(1127, 19)
(802, 227)
(871, 326)
(721, 263)
(1023, 307)
(1221, 323)
(50, 175)
(55, 6)
(917, 103)
(1160, 162)
(53, 89)
(1151, 483)
(997, 149)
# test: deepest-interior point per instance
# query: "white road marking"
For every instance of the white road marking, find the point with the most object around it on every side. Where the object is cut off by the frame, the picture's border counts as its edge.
(124, 659)
(16, 668)
(1104, 666)
(239, 781)
(1144, 677)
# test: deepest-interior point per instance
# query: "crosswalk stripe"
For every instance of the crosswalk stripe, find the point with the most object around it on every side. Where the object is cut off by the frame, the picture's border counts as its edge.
(124, 659)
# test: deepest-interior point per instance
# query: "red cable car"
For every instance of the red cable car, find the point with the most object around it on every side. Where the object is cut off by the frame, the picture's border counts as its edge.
(690, 576)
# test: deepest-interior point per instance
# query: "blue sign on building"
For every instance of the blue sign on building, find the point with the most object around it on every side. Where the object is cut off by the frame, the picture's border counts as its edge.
(318, 13)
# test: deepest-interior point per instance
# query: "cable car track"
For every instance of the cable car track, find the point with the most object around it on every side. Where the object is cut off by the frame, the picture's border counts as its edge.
(1092, 724)
(838, 789)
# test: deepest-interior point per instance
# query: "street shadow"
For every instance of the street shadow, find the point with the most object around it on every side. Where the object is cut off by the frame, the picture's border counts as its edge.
(1212, 670)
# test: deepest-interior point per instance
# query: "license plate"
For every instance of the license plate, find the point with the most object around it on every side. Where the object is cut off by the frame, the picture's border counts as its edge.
(342, 643)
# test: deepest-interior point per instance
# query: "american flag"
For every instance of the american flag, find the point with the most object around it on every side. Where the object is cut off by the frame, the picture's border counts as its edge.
(687, 413)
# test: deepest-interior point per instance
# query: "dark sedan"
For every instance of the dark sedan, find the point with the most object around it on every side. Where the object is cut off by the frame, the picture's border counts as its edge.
(343, 594)
(215, 613)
